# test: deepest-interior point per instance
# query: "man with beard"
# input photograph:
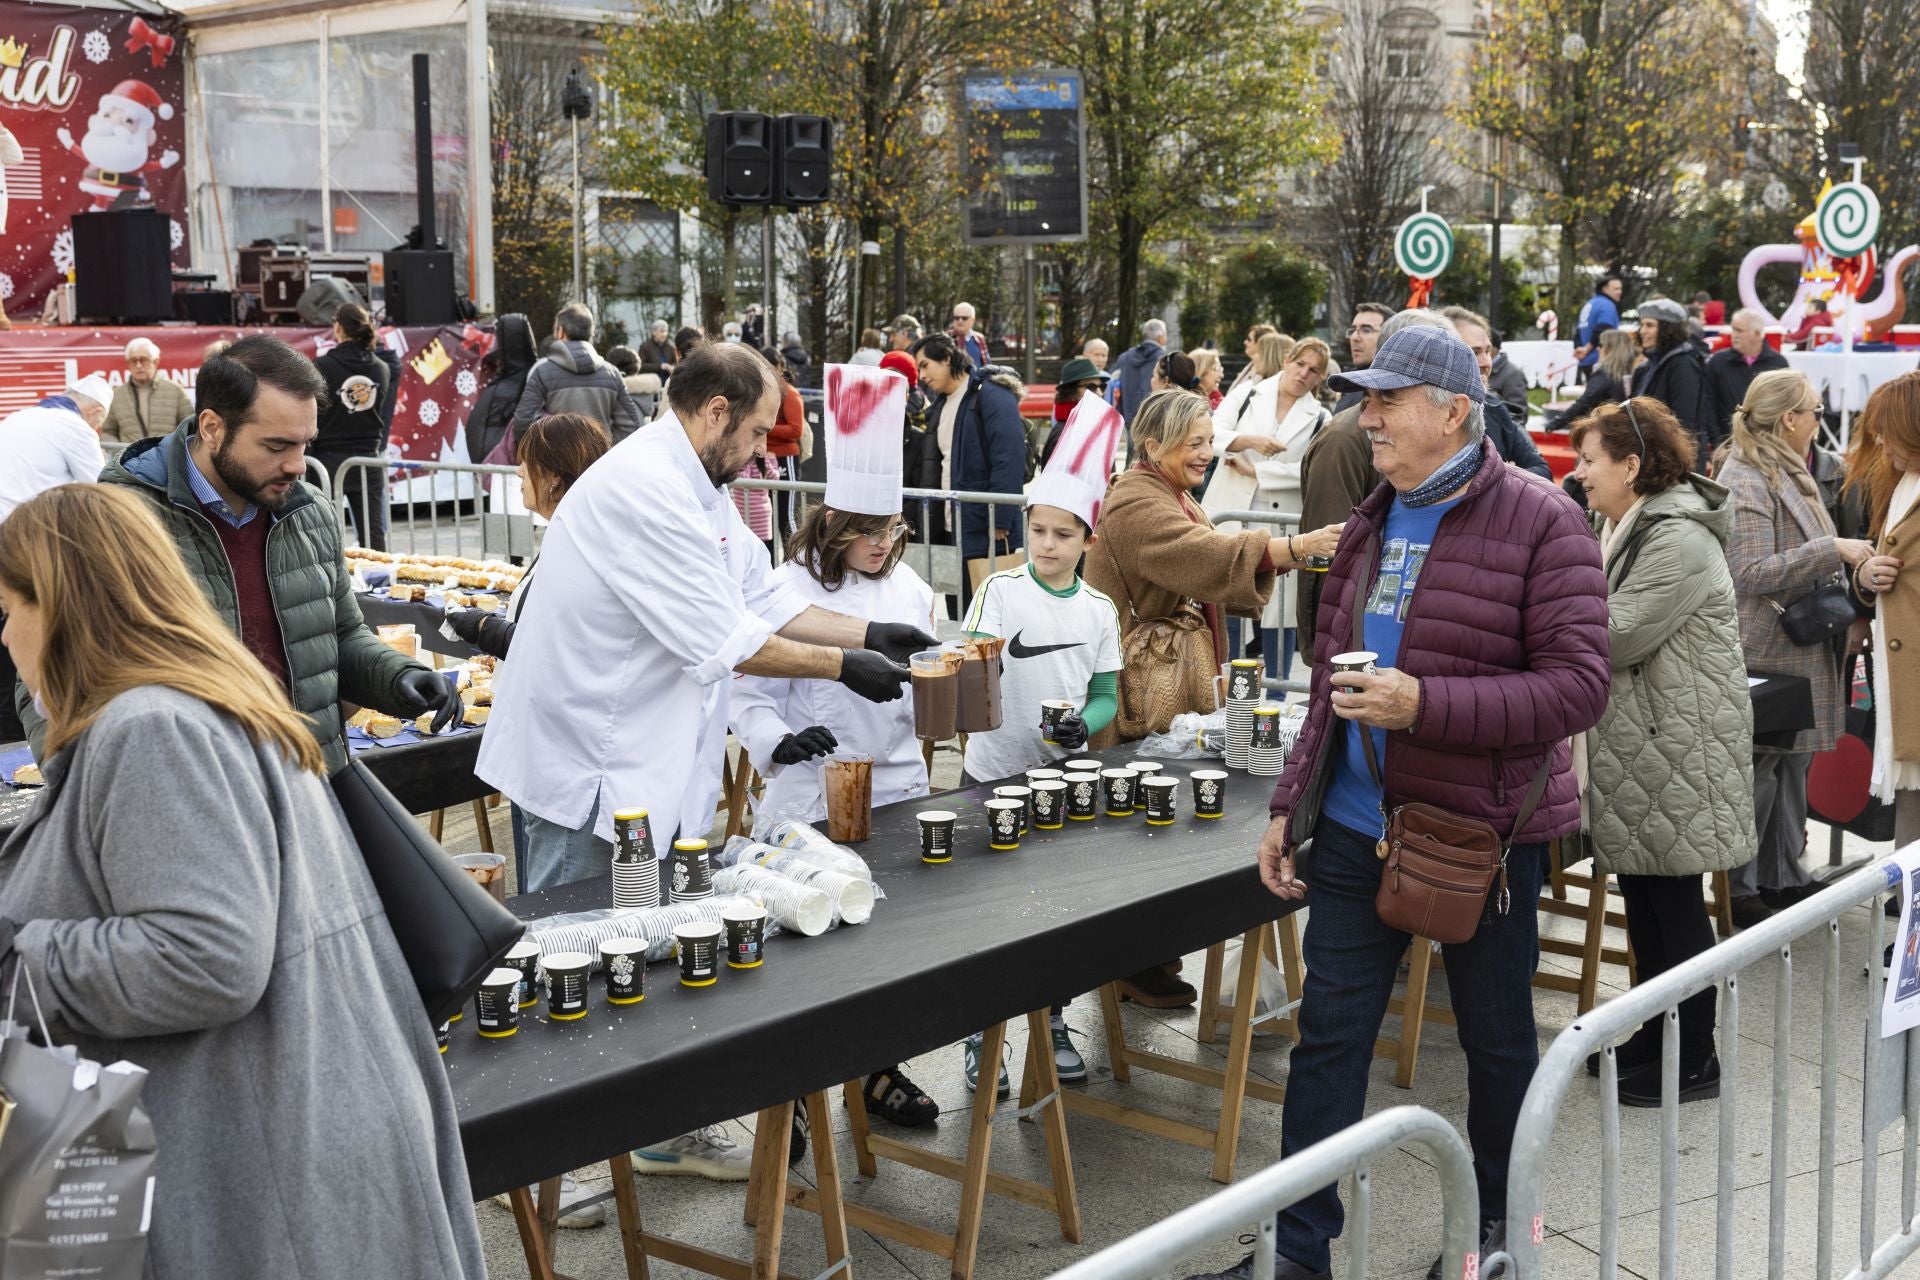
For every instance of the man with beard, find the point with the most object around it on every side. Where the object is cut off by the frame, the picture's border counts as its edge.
(265, 547)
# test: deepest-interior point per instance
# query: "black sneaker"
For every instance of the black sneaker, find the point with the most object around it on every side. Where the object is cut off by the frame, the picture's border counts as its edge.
(893, 1097)
(1642, 1087)
(1157, 988)
(1493, 1238)
(1748, 912)
(1638, 1050)
(1781, 899)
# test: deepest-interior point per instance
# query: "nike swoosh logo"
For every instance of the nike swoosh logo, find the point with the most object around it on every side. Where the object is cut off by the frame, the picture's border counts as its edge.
(1019, 650)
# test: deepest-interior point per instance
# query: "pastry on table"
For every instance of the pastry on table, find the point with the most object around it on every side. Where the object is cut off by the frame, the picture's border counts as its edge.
(424, 725)
(28, 775)
(400, 591)
(481, 662)
(485, 604)
(474, 715)
(383, 726)
(361, 718)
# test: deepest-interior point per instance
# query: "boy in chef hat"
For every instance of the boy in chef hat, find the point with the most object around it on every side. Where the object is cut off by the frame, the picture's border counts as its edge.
(1063, 639)
(846, 556)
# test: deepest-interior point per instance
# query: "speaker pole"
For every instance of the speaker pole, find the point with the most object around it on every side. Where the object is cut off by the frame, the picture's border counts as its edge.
(579, 230)
(1032, 288)
(422, 148)
(769, 260)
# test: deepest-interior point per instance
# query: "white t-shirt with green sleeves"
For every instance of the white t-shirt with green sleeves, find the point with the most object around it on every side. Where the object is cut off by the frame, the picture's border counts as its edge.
(1056, 642)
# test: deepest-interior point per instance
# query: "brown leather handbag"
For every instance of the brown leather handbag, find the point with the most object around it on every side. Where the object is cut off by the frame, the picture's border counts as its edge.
(1166, 669)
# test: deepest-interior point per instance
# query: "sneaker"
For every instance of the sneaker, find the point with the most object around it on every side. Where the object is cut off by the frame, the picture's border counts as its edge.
(1637, 1051)
(704, 1153)
(591, 1215)
(970, 1056)
(893, 1097)
(1156, 987)
(1493, 1238)
(1067, 1062)
(1748, 912)
(1642, 1088)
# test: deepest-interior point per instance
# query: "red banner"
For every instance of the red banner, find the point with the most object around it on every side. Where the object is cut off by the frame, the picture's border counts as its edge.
(439, 370)
(92, 104)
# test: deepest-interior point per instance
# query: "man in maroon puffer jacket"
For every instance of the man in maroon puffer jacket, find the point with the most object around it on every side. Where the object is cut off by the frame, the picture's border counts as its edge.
(1485, 602)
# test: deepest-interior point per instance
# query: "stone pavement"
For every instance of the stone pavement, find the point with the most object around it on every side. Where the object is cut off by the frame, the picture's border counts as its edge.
(1128, 1180)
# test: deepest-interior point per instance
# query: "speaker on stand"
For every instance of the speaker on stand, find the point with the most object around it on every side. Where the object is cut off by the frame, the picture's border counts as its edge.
(120, 266)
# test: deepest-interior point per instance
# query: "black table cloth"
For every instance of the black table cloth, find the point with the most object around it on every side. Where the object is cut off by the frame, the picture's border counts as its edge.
(952, 948)
(1782, 707)
(380, 611)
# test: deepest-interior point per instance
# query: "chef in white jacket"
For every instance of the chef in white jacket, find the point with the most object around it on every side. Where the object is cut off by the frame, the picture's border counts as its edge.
(653, 593)
(845, 556)
(1260, 452)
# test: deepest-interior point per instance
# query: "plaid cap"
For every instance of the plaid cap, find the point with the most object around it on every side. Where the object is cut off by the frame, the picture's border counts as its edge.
(1419, 355)
(1663, 309)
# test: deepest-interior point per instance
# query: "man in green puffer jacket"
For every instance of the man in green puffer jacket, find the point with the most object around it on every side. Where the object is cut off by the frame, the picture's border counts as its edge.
(265, 547)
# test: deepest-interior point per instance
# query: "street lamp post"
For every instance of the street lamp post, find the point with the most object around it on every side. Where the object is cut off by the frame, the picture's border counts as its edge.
(576, 104)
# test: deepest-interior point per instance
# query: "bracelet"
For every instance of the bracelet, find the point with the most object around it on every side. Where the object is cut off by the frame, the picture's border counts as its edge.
(1291, 553)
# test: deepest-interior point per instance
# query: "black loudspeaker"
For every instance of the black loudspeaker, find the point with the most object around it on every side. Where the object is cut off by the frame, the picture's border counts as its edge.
(325, 296)
(420, 286)
(120, 267)
(740, 157)
(803, 160)
(205, 307)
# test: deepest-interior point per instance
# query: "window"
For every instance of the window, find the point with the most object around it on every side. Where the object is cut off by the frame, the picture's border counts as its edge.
(1407, 56)
(642, 244)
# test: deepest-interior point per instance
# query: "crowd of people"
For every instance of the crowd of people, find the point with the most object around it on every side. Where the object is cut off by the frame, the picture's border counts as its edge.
(1562, 664)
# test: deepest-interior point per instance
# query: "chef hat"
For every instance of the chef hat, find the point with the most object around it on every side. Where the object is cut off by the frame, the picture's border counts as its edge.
(93, 387)
(1075, 477)
(866, 417)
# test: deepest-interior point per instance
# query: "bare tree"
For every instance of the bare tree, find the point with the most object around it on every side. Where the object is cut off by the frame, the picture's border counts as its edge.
(531, 169)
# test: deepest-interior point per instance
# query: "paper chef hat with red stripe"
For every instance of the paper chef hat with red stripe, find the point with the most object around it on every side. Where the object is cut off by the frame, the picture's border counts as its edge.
(866, 418)
(1075, 477)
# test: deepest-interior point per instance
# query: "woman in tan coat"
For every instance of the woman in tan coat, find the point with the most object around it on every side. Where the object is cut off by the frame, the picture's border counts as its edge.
(1157, 551)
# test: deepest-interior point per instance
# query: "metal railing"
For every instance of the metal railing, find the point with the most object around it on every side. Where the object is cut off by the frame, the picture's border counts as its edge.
(1253, 1202)
(1284, 523)
(411, 519)
(1721, 967)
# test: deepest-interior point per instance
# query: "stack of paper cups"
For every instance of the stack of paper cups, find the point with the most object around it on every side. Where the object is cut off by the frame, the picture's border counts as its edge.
(803, 908)
(636, 866)
(1266, 754)
(1243, 695)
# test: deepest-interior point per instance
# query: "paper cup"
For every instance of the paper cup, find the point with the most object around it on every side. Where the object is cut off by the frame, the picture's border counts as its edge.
(1243, 679)
(443, 1036)
(1145, 768)
(1003, 824)
(1116, 787)
(699, 947)
(804, 909)
(1044, 775)
(632, 837)
(524, 956)
(636, 885)
(1049, 804)
(1266, 729)
(566, 973)
(1083, 795)
(1025, 796)
(625, 960)
(936, 835)
(746, 936)
(692, 871)
(1209, 793)
(1084, 765)
(489, 870)
(495, 1010)
(1158, 798)
(1050, 713)
(1358, 660)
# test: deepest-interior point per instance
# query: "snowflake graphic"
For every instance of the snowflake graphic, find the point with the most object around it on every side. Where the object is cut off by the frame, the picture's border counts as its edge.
(429, 413)
(95, 46)
(176, 234)
(465, 383)
(63, 251)
(6, 285)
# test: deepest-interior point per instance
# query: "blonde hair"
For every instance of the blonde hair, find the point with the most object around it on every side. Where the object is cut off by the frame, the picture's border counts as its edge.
(1272, 352)
(119, 612)
(1314, 346)
(1204, 360)
(1759, 434)
(1892, 413)
(1165, 419)
(1618, 351)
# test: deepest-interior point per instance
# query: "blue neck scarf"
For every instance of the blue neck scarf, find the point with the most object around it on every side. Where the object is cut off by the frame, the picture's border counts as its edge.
(1453, 473)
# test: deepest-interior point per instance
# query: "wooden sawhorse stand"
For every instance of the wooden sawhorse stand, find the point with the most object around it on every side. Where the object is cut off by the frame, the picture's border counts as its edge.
(975, 1178)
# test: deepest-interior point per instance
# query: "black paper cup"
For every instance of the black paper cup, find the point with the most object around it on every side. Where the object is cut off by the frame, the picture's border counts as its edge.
(567, 973)
(443, 1035)
(632, 837)
(496, 1011)
(1003, 824)
(1050, 713)
(746, 936)
(692, 872)
(1116, 787)
(1083, 795)
(1025, 796)
(1084, 765)
(1158, 798)
(1045, 775)
(1209, 793)
(699, 947)
(1049, 804)
(1145, 769)
(625, 961)
(524, 956)
(1358, 660)
(1266, 728)
(1243, 679)
(936, 835)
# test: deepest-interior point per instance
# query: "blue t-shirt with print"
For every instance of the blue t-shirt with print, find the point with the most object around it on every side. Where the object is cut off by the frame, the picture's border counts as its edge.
(1598, 315)
(1351, 799)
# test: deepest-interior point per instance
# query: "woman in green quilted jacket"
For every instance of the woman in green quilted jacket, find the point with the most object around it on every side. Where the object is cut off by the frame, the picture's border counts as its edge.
(1670, 770)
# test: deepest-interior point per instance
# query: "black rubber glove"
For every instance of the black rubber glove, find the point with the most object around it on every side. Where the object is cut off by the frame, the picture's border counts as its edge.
(804, 745)
(422, 691)
(873, 676)
(489, 633)
(465, 623)
(1070, 731)
(898, 640)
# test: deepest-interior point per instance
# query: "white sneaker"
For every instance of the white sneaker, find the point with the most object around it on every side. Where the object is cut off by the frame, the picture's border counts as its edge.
(591, 1215)
(705, 1153)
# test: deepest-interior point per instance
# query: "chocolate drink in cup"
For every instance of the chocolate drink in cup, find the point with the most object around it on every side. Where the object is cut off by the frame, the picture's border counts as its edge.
(847, 780)
(936, 693)
(980, 686)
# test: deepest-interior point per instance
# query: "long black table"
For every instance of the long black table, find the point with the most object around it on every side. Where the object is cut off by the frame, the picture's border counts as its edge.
(382, 611)
(951, 949)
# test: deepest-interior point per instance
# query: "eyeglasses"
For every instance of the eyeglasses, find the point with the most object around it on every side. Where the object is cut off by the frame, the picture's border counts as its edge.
(1353, 329)
(889, 535)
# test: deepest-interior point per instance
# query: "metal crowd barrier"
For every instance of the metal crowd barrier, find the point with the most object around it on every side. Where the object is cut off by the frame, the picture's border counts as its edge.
(1721, 967)
(1284, 523)
(467, 528)
(1253, 1202)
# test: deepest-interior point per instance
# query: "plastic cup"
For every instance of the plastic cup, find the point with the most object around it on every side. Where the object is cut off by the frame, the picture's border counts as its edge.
(1158, 798)
(495, 1007)
(567, 973)
(699, 947)
(847, 780)
(1003, 824)
(746, 936)
(1025, 796)
(1116, 785)
(1049, 804)
(1083, 795)
(1209, 793)
(524, 956)
(489, 871)
(625, 960)
(936, 835)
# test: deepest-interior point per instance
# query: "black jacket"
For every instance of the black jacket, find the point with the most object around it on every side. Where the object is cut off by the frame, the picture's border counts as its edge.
(1728, 377)
(655, 357)
(1602, 389)
(1510, 385)
(1511, 441)
(1678, 379)
(493, 410)
(357, 385)
(574, 379)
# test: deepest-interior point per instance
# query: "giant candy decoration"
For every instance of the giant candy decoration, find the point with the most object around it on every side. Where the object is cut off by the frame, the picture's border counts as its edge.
(1837, 264)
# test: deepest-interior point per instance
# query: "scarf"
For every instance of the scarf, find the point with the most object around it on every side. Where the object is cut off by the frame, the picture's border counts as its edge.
(1453, 473)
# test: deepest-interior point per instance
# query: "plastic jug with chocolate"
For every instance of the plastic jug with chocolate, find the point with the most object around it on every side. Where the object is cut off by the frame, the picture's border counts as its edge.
(936, 693)
(979, 709)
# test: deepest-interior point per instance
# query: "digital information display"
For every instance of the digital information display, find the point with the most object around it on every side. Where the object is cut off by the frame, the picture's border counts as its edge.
(1025, 140)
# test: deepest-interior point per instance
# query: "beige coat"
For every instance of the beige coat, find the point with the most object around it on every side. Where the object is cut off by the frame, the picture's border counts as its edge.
(165, 407)
(1899, 682)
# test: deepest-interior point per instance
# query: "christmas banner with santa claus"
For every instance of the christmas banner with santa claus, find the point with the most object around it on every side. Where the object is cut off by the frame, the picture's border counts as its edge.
(90, 118)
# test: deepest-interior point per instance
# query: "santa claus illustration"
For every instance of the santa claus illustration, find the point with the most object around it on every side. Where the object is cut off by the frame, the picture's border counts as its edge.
(120, 137)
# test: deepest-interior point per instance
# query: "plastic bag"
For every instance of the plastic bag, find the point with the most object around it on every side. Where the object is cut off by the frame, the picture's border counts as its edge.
(806, 909)
(809, 844)
(1193, 735)
(852, 895)
(584, 931)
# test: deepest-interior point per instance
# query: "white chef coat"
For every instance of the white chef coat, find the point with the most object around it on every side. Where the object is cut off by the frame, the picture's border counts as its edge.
(651, 592)
(42, 446)
(1275, 486)
(768, 708)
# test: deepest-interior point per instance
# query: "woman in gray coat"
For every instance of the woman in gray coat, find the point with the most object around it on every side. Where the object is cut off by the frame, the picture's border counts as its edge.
(185, 896)
(1670, 780)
